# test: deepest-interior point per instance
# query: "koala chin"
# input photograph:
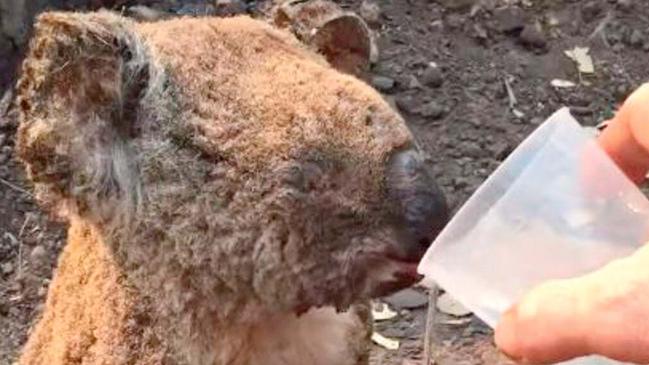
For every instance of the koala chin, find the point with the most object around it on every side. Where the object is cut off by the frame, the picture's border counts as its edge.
(231, 197)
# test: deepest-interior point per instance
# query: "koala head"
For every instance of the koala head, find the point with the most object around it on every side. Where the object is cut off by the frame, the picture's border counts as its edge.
(227, 167)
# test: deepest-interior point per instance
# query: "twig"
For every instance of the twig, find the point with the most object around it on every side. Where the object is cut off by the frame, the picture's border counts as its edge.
(510, 93)
(600, 28)
(429, 337)
(20, 247)
(12, 186)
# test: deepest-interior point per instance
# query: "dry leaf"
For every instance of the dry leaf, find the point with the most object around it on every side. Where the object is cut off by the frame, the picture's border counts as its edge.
(446, 304)
(385, 342)
(562, 83)
(582, 58)
(382, 312)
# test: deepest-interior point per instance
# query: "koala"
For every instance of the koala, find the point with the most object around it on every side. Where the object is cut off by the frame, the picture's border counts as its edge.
(231, 197)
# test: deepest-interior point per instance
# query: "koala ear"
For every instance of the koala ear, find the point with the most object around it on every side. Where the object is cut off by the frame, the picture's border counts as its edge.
(78, 98)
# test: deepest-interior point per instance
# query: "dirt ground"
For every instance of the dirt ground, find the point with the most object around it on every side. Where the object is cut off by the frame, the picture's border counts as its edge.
(445, 65)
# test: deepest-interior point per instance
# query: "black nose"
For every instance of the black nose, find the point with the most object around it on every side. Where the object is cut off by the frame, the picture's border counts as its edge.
(419, 206)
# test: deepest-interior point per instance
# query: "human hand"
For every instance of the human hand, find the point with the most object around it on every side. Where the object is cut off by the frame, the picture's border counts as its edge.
(606, 312)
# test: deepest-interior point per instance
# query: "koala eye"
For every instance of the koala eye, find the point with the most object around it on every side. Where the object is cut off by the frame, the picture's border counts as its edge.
(294, 176)
(302, 176)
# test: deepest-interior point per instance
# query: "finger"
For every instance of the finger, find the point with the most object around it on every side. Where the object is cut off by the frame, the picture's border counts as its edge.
(545, 327)
(626, 139)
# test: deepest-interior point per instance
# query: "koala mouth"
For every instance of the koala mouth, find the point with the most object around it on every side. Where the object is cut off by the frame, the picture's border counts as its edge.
(393, 273)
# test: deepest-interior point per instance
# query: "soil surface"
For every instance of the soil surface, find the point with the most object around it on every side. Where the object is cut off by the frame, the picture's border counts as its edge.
(445, 65)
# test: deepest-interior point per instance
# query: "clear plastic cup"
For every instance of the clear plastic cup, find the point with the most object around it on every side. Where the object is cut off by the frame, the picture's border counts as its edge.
(557, 207)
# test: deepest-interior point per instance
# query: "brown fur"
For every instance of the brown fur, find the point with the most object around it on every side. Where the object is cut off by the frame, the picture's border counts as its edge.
(222, 184)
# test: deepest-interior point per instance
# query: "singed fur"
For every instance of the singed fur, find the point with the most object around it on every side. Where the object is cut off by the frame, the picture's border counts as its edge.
(224, 188)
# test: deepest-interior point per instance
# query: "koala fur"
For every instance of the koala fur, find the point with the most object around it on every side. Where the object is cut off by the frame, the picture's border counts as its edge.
(224, 188)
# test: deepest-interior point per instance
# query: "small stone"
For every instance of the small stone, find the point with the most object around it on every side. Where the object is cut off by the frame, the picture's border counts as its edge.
(145, 14)
(230, 7)
(3, 139)
(455, 21)
(38, 253)
(432, 76)
(636, 39)
(413, 83)
(3, 158)
(7, 268)
(446, 304)
(382, 83)
(591, 10)
(510, 19)
(618, 47)
(472, 149)
(197, 10)
(480, 32)
(499, 150)
(532, 37)
(432, 109)
(370, 11)
(407, 299)
(581, 110)
(625, 5)
(406, 104)
(458, 4)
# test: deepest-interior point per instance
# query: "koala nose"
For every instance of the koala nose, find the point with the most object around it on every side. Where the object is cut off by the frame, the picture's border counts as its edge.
(419, 205)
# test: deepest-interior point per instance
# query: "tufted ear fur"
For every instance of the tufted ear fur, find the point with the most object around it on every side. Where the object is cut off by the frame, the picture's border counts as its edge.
(80, 97)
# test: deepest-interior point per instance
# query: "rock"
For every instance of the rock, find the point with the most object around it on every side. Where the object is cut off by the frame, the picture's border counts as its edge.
(145, 14)
(3, 139)
(625, 5)
(38, 253)
(230, 7)
(591, 10)
(533, 37)
(382, 83)
(432, 76)
(472, 149)
(7, 268)
(197, 10)
(499, 150)
(370, 11)
(406, 104)
(458, 4)
(446, 304)
(455, 21)
(4, 157)
(407, 299)
(581, 110)
(480, 32)
(618, 47)
(510, 19)
(636, 39)
(432, 109)
(413, 83)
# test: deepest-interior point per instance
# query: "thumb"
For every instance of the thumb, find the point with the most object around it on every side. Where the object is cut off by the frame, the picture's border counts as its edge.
(545, 328)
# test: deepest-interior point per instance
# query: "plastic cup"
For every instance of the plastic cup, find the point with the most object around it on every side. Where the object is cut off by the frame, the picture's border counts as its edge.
(557, 207)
